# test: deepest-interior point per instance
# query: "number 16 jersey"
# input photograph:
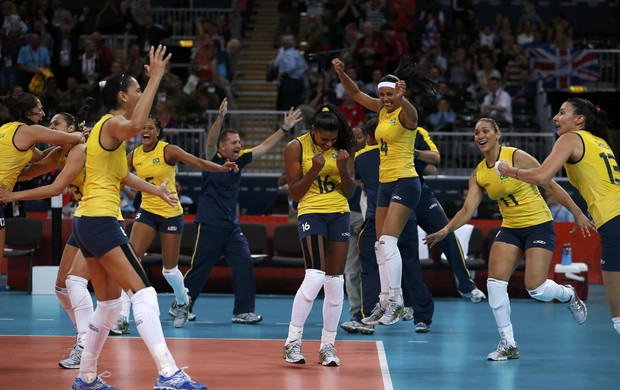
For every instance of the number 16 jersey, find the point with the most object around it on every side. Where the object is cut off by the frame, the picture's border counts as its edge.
(325, 194)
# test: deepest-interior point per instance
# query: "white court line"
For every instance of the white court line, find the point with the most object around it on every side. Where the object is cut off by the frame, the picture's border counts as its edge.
(418, 341)
(7, 319)
(44, 319)
(385, 370)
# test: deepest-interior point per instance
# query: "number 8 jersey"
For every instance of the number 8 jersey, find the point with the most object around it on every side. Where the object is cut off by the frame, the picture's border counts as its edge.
(325, 194)
(597, 177)
(520, 203)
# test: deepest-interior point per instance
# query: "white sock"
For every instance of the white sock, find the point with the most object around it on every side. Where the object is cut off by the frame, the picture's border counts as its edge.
(500, 304)
(174, 277)
(146, 316)
(332, 304)
(305, 296)
(101, 322)
(126, 304)
(388, 250)
(384, 277)
(396, 295)
(81, 302)
(294, 333)
(65, 302)
(327, 338)
(507, 334)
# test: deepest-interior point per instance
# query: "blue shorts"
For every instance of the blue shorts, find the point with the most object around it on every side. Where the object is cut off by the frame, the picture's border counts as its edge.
(537, 236)
(72, 240)
(333, 226)
(404, 191)
(172, 225)
(96, 236)
(610, 245)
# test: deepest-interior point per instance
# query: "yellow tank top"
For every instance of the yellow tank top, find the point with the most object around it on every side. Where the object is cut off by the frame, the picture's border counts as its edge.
(104, 171)
(77, 185)
(396, 145)
(325, 195)
(597, 177)
(12, 160)
(152, 167)
(520, 203)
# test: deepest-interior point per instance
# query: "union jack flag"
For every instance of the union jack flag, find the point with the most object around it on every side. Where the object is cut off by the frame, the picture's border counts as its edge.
(561, 68)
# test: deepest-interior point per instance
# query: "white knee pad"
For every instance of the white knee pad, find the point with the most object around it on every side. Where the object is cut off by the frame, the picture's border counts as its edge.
(106, 314)
(311, 285)
(498, 293)
(144, 302)
(387, 249)
(334, 292)
(380, 259)
(546, 292)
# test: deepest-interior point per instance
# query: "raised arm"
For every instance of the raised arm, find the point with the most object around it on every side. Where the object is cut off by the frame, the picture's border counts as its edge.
(214, 131)
(123, 129)
(353, 90)
(290, 119)
(408, 115)
(174, 154)
(74, 166)
(26, 136)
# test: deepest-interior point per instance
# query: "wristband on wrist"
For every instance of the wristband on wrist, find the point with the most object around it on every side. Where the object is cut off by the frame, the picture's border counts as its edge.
(284, 129)
(517, 174)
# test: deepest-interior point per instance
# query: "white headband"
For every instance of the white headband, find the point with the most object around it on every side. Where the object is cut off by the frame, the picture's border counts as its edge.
(102, 83)
(386, 84)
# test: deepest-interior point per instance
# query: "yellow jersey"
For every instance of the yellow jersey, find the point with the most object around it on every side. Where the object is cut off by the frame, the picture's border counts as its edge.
(520, 203)
(12, 160)
(104, 171)
(153, 167)
(396, 144)
(325, 194)
(77, 185)
(597, 177)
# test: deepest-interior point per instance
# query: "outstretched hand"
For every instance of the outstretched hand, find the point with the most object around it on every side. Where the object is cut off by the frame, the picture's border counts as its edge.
(584, 224)
(157, 62)
(434, 238)
(229, 166)
(166, 194)
(400, 89)
(223, 108)
(291, 118)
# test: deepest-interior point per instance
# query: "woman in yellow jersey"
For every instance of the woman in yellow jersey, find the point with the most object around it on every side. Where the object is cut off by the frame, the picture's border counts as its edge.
(583, 149)
(112, 262)
(18, 139)
(72, 279)
(155, 161)
(527, 229)
(319, 173)
(399, 188)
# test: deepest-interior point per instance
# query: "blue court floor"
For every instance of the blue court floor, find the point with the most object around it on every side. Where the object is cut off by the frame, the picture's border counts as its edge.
(556, 353)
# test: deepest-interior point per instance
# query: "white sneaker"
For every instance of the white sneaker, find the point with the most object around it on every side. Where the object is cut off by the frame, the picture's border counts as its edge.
(407, 313)
(577, 307)
(292, 353)
(392, 313)
(74, 359)
(327, 356)
(504, 352)
(375, 315)
(476, 295)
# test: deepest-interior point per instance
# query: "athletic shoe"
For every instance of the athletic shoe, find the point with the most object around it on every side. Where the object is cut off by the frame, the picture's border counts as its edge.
(577, 307)
(407, 314)
(97, 384)
(475, 295)
(292, 353)
(327, 356)
(356, 326)
(422, 327)
(191, 316)
(181, 313)
(246, 318)
(375, 315)
(392, 313)
(504, 352)
(75, 356)
(121, 327)
(178, 380)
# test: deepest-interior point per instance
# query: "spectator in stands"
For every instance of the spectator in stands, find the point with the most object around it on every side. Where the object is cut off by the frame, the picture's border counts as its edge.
(134, 63)
(325, 241)
(351, 71)
(65, 53)
(432, 58)
(372, 88)
(183, 199)
(217, 225)
(111, 20)
(319, 94)
(223, 28)
(523, 94)
(529, 14)
(9, 69)
(444, 119)
(487, 37)
(558, 211)
(525, 35)
(400, 14)
(166, 118)
(92, 68)
(394, 45)
(71, 99)
(497, 104)
(292, 68)
(61, 15)
(560, 32)
(351, 35)
(148, 33)
(352, 111)
(526, 230)
(12, 20)
(87, 21)
(374, 12)
(460, 73)
(289, 15)
(32, 58)
(103, 51)
(484, 74)
(433, 24)
(512, 68)
(369, 53)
